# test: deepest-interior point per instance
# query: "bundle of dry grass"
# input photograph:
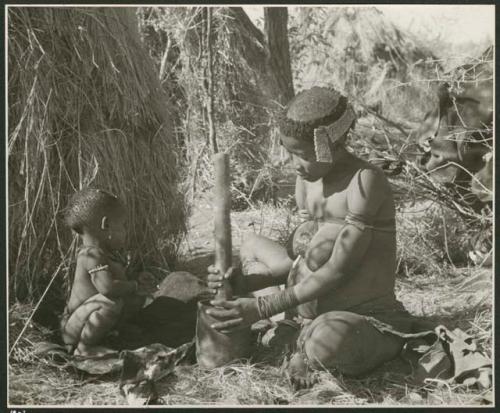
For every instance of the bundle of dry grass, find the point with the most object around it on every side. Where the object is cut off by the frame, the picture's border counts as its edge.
(85, 108)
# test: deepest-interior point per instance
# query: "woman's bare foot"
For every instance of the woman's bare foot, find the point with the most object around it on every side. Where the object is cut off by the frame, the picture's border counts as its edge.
(300, 374)
(92, 351)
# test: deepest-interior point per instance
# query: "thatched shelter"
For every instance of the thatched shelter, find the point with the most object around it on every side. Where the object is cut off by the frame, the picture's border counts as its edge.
(85, 109)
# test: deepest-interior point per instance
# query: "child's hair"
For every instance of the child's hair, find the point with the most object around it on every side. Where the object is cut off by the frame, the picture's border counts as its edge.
(87, 205)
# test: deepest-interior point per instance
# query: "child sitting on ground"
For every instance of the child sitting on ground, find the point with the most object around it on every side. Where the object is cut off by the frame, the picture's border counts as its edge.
(100, 293)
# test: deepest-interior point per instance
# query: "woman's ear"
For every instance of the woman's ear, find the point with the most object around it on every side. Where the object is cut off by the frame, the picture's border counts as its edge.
(104, 223)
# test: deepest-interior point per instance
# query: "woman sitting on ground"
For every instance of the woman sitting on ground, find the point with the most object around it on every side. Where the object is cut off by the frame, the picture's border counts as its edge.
(342, 290)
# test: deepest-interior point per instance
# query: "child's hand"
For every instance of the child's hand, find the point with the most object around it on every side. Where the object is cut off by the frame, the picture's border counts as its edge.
(146, 283)
(142, 291)
(146, 277)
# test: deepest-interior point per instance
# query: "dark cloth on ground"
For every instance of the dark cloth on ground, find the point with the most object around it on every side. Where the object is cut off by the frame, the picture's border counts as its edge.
(167, 321)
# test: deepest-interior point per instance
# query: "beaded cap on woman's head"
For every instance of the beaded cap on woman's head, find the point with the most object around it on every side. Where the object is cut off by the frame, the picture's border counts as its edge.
(319, 114)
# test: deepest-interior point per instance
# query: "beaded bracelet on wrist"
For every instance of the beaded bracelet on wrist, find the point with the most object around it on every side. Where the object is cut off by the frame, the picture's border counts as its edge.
(270, 305)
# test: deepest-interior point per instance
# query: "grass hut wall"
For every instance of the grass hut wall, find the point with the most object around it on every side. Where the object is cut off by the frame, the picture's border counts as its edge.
(85, 109)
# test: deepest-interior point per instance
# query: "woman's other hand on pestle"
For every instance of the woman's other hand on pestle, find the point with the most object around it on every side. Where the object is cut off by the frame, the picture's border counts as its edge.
(215, 280)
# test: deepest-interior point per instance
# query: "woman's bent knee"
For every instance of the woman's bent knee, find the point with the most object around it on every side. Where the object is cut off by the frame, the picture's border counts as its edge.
(249, 246)
(348, 342)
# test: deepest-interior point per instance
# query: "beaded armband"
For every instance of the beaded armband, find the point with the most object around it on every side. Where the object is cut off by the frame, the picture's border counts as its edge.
(99, 268)
(359, 221)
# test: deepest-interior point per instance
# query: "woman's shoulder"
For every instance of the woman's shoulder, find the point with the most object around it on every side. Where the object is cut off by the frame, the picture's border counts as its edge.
(369, 189)
(367, 174)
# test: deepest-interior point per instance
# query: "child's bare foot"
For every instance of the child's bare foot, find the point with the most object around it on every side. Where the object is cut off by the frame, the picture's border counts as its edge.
(300, 374)
(92, 351)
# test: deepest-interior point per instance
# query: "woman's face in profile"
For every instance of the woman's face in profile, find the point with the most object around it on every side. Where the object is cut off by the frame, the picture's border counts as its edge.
(304, 159)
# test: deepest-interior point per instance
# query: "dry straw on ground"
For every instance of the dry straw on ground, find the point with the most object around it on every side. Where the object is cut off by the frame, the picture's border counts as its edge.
(85, 108)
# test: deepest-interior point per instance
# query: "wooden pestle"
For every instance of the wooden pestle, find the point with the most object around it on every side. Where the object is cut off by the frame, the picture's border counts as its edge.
(222, 222)
(213, 348)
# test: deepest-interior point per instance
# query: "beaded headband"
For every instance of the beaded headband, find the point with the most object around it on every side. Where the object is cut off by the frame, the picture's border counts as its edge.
(323, 135)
